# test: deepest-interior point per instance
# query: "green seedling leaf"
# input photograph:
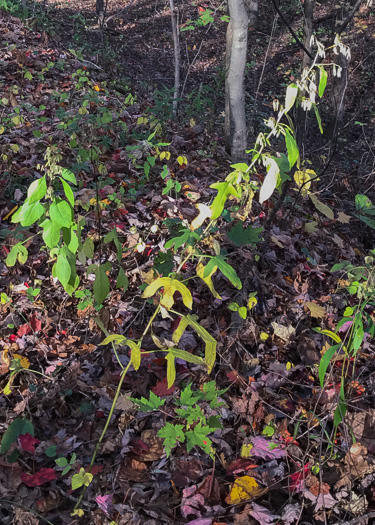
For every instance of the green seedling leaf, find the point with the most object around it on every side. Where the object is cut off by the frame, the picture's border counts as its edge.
(224, 190)
(61, 213)
(51, 233)
(198, 437)
(225, 269)
(341, 407)
(61, 462)
(37, 190)
(171, 434)
(292, 148)
(68, 192)
(51, 451)
(81, 479)
(147, 405)
(18, 427)
(29, 213)
(324, 362)
(69, 176)
(101, 285)
(322, 81)
(63, 269)
(114, 338)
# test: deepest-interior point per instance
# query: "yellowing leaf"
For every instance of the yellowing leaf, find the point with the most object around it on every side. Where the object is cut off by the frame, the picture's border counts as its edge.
(263, 336)
(343, 218)
(246, 450)
(182, 160)
(208, 279)
(316, 310)
(290, 97)
(2, 129)
(78, 512)
(243, 489)
(204, 213)
(24, 362)
(303, 180)
(323, 208)
(253, 301)
(97, 88)
(170, 287)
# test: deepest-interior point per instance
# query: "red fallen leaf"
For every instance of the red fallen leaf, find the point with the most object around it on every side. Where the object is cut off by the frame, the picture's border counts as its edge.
(297, 480)
(95, 469)
(240, 465)
(24, 329)
(35, 480)
(138, 446)
(161, 388)
(27, 442)
(35, 323)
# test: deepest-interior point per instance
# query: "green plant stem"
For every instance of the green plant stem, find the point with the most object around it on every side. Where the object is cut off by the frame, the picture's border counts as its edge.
(118, 390)
(149, 324)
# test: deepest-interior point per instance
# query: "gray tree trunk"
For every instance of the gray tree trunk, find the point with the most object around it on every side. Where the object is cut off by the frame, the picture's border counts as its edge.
(176, 47)
(235, 62)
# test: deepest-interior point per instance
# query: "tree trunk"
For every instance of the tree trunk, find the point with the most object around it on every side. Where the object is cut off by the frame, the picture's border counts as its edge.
(236, 54)
(176, 46)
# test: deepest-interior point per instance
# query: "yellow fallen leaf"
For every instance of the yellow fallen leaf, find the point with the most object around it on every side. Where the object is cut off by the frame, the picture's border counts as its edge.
(97, 88)
(24, 362)
(243, 489)
(253, 301)
(316, 310)
(323, 208)
(263, 336)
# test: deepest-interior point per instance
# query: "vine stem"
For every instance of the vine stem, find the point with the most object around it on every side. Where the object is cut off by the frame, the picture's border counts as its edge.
(118, 390)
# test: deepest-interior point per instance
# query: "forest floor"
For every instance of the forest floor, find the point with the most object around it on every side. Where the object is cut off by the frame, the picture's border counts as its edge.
(278, 457)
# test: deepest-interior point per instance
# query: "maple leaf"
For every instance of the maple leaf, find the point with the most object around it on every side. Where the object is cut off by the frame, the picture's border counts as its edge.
(39, 478)
(198, 437)
(172, 434)
(27, 442)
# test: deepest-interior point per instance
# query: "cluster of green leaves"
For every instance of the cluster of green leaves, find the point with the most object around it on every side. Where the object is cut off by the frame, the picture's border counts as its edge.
(194, 426)
(357, 319)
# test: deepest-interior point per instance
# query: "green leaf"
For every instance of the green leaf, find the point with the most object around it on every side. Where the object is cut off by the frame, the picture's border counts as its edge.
(290, 97)
(171, 369)
(51, 233)
(18, 427)
(292, 148)
(188, 397)
(69, 176)
(22, 254)
(70, 239)
(101, 285)
(241, 236)
(122, 280)
(198, 437)
(61, 213)
(37, 190)
(242, 312)
(322, 81)
(225, 269)
(324, 362)
(358, 332)
(224, 190)
(318, 119)
(63, 269)
(61, 462)
(114, 338)
(89, 248)
(135, 353)
(68, 192)
(363, 203)
(367, 220)
(171, 434)
(153, 403)
(51, 451)
(29, 213)
(341, 407)
(178, 241)
(12, 255)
